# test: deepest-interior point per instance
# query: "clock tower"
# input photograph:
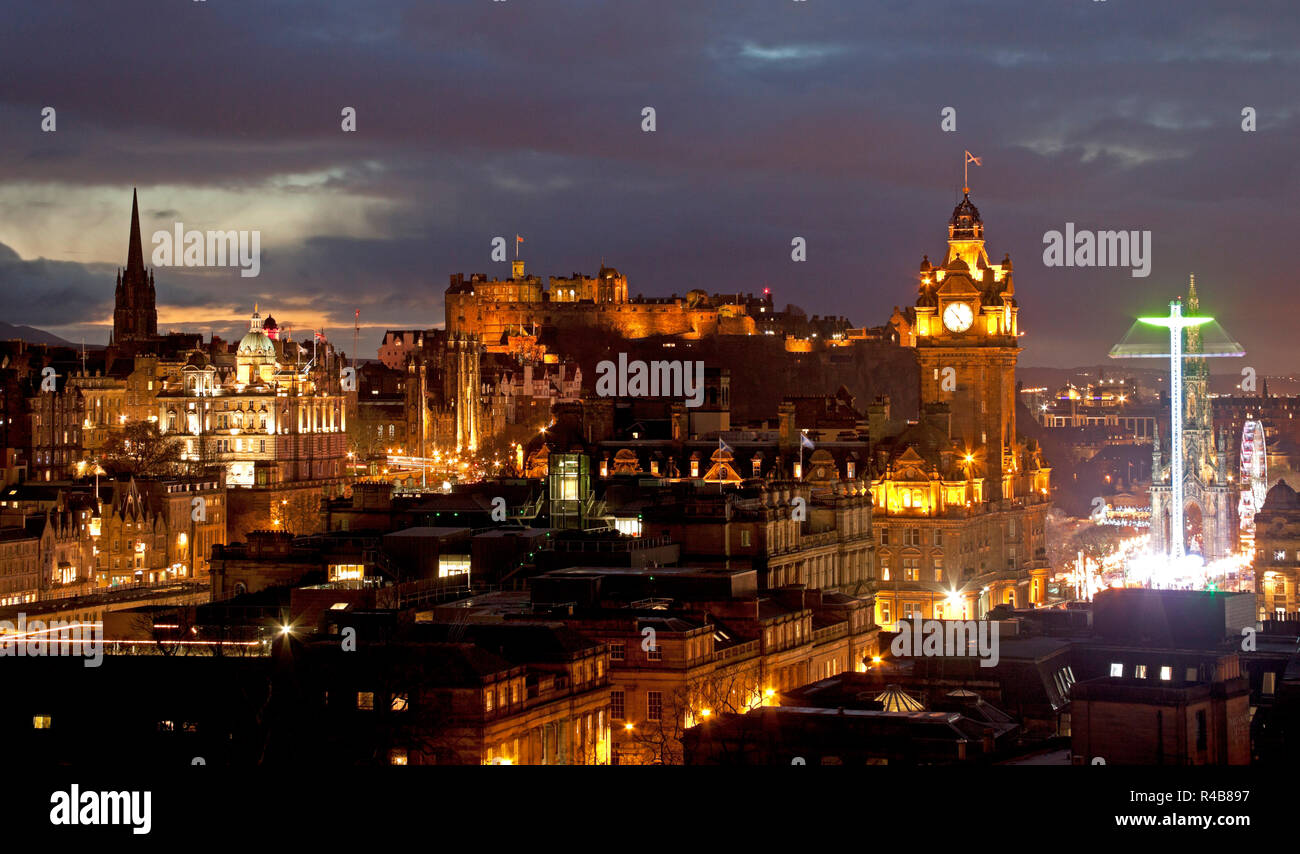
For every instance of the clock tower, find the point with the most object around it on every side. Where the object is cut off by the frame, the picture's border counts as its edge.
(967, 343)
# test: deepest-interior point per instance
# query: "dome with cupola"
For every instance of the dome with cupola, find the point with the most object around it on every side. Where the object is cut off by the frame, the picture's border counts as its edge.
(966, 223)
(255, 342)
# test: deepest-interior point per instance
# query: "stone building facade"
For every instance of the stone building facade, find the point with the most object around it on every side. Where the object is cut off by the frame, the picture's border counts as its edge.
(1277, 552)
(960, 497)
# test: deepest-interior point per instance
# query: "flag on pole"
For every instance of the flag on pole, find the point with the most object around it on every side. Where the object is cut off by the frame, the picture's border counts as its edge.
(965, 170)
(723, 446)
(302, 349)
(805, 441)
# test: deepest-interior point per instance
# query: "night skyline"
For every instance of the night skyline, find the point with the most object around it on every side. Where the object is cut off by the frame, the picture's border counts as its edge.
(399, 387)
(480, 120)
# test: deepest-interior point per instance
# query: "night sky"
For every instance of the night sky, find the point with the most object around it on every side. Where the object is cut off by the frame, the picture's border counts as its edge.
(775, 119)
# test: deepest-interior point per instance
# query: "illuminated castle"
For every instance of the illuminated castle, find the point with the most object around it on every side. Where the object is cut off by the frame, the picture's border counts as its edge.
(494, 308)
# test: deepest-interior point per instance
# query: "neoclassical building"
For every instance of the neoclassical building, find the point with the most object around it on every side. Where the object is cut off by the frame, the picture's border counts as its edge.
(276, 423)
(960, 499)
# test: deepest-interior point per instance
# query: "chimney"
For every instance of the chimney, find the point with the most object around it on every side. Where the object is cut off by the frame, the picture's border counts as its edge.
(878, 418)
(681, 422)
(939, 415)
(788, 432)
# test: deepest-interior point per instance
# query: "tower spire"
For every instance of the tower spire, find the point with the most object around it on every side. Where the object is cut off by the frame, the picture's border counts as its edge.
(135, 313)
(135, 250)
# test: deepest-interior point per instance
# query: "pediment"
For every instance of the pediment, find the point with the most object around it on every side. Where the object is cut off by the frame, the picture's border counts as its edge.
(958, 286)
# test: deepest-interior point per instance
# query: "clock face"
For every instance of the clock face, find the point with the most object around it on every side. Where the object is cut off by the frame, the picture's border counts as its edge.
(958, 317)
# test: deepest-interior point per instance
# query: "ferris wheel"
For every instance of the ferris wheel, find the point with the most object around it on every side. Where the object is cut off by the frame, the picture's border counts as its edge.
(1254, 473)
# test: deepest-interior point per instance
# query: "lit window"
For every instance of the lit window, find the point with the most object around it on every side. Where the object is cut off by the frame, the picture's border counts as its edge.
(449, 565)
(41, 722)
(1116, 670)
(365, 700)
(346, 572)
(1140, 672)
(399, 703)
(397, 756)
(1166, 674)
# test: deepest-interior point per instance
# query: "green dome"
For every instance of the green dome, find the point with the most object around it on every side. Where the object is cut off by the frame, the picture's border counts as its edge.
(256, 343)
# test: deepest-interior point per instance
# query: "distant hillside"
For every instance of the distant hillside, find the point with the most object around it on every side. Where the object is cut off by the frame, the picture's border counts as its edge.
(32, 336)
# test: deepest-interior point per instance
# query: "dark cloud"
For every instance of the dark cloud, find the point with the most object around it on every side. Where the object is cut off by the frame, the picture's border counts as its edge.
(818, 119)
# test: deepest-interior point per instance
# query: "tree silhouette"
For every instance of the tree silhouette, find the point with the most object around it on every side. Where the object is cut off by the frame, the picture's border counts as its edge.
(141, 450)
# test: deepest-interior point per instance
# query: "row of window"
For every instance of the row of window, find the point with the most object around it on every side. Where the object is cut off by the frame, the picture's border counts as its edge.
(921, 536)
(1140, 671)
(654, 705)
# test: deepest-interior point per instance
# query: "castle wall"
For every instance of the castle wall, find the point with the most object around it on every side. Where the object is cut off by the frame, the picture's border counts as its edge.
(469, 313)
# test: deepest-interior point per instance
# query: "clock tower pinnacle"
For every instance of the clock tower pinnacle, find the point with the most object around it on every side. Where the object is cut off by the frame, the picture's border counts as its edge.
(967, 342)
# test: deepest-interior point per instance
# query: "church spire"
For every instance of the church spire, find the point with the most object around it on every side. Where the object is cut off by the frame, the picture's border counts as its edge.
(135, 314)
(135, 250)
